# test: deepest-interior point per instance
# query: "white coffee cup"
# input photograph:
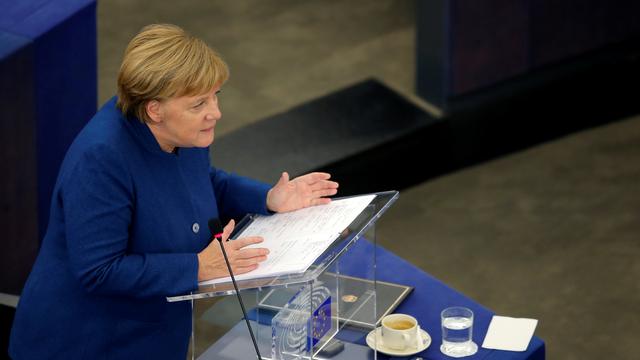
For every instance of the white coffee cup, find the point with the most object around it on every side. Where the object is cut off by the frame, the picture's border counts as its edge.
(399, 331)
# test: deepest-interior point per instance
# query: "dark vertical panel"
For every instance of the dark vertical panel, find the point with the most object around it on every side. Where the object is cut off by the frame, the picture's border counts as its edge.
(66, 93)
(621, 20)
(18, 187)
(47, 92)
(562, 29)
(467, 46)
(490, 42)
(432, 50)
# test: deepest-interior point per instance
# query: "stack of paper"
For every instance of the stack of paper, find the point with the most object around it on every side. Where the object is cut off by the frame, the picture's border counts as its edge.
(296, 239)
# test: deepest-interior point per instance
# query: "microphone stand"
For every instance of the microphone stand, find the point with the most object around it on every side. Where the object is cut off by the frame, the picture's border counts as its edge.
(244, 312)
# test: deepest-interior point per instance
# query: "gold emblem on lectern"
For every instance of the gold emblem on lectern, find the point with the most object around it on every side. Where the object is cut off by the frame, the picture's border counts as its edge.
(349, 298)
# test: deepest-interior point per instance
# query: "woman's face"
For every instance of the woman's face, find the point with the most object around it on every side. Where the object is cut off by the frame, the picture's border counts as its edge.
(185, 121)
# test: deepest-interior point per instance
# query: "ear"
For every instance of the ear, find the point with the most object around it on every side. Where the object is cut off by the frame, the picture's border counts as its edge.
(154, 110)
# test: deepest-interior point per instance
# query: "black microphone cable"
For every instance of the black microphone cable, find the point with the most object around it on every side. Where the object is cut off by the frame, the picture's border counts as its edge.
(216, 230)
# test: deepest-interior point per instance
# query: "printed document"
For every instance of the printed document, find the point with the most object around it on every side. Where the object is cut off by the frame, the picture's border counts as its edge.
(296, 239)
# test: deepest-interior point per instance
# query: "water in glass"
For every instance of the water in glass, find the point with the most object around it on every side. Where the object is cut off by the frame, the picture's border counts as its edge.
(457, 332)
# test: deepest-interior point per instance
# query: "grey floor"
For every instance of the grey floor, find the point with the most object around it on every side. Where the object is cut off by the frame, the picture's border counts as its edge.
(550, 233)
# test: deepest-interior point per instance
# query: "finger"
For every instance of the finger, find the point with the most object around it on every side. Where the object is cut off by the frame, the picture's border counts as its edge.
(248, 253)
(324, 192)
(314, 177)
(246, 241)
(324, 185)
(320, 201)
(248, 262)
(284, 179)
(228, 229)
(244, 269)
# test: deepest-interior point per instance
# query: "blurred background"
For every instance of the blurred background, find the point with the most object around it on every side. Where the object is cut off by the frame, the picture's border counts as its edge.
(510, 127)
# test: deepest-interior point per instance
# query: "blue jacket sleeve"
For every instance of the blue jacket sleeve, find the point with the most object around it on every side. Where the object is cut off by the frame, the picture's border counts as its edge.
(98, 199)
(237, 196)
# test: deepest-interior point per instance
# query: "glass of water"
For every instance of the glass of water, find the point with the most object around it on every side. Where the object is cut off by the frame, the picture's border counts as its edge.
(457, 332)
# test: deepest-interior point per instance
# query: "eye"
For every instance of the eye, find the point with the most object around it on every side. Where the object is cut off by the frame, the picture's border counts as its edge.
(199, 104)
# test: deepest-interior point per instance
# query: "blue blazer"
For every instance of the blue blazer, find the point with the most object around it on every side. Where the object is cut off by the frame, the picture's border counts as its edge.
(127, 221)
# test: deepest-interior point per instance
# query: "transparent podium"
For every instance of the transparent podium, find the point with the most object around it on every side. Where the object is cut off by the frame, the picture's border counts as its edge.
(324, 312)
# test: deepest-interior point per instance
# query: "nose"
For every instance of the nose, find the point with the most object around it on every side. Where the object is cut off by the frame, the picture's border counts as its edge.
(214, 113)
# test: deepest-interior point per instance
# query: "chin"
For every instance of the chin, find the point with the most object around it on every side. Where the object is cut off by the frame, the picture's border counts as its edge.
(204, 142)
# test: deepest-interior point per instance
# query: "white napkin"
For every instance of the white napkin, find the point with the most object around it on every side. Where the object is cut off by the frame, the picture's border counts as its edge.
(507, 333)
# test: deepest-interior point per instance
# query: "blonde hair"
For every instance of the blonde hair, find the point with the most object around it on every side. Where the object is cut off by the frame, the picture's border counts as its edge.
(163, 61)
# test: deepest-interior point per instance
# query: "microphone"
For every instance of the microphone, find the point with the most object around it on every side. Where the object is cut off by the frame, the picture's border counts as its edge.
(216, 230)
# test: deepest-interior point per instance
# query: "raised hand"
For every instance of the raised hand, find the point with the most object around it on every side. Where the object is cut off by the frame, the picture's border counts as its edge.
(303, 191)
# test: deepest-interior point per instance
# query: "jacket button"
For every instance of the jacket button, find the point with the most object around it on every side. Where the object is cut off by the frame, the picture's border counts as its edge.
(195, 228)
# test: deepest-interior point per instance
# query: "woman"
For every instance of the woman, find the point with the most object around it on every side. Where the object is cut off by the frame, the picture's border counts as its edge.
(130, 208)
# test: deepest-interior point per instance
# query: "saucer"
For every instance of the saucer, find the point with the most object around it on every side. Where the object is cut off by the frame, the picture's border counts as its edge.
(426, 341)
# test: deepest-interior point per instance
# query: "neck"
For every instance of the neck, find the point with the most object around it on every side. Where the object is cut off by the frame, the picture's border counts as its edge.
(165, 145)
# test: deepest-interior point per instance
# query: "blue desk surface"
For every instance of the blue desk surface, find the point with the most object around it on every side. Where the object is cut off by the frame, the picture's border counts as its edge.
(428, 299)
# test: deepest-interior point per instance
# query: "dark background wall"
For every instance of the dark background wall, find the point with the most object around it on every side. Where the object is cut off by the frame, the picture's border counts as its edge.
(467, 46)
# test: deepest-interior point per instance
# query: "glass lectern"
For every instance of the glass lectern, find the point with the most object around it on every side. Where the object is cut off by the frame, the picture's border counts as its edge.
(325, 312)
